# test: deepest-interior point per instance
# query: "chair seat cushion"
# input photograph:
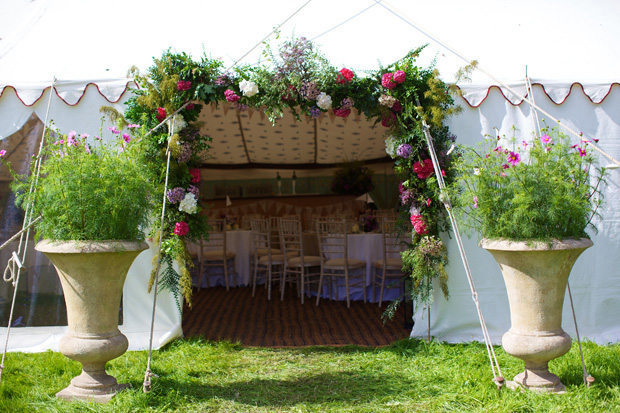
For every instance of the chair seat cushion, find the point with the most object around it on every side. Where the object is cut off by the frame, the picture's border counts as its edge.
(339, 263)
(309, 261)
(392, 264)
(263, 251)
(217, 255)
(275, 259)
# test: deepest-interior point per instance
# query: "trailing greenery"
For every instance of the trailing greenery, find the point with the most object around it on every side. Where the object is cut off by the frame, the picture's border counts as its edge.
(89, 189)
(408, 376)
(529, 190)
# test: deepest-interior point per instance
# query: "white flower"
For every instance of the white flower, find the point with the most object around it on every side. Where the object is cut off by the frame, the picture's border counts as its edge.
(178, 124)
(391, 145)
(248, 88)
(476, 171)
(414, 211)
(386, 100)
(188, 204)
(324, 101)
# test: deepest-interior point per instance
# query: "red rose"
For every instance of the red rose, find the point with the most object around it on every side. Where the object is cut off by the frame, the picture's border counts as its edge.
(184, 85)
(388, 121)
(343, 113)
(424, 170)
(345, 75)
(181, 228)
(195, 173)
(161, 114)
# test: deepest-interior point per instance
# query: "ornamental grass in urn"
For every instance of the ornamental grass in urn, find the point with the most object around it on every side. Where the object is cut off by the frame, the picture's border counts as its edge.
(95, 199)
(531, 201)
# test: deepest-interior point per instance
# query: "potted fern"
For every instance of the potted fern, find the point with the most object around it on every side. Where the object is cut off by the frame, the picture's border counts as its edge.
(95, 200)
(532, 202)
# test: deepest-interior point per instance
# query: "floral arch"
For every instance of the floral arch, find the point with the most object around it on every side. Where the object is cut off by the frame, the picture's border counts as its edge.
(297, 79)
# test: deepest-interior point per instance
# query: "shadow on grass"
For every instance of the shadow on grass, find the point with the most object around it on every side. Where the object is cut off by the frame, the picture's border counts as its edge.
(311, 389)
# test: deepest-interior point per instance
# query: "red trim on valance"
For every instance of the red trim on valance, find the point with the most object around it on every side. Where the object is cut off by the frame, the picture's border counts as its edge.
(79, 99)
(570, 89)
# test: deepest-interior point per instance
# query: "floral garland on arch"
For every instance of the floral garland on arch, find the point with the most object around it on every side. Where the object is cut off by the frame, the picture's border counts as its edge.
(297, 77)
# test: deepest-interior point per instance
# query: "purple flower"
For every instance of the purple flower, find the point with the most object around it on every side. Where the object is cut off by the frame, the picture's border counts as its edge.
(315, 112)
(193, 189)
(175, 195)
(185, 152)
(347, 103)
(404, 150)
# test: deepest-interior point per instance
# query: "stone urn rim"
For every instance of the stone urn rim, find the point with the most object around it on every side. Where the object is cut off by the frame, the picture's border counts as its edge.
(502, 244)
(81, 247)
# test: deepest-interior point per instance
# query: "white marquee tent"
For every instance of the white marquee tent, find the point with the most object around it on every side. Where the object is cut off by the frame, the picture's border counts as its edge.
(580, 89)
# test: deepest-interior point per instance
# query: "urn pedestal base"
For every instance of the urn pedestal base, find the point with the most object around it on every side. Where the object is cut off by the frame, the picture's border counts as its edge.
(93, 351)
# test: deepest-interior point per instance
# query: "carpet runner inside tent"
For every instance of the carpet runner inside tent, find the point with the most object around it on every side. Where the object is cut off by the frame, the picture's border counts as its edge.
(256, 321)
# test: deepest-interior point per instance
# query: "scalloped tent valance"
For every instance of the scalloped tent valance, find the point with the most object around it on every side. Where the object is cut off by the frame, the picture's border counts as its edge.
(248, 139)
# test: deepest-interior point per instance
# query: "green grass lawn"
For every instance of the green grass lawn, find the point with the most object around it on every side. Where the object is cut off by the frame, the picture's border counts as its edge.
(411, 375)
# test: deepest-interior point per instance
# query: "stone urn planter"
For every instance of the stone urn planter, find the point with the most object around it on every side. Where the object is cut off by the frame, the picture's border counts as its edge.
(92, 275)
(536, 278)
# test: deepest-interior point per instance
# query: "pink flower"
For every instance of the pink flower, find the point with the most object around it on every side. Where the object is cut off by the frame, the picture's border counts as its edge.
(2, 154)
(524, 144)
(546, 139)
(126, 137)
(582, 152)
(111, 128)
(505, 166)
(133, 126)
(428, 202)
(161, 114)
(345, 75)
(423, 169)
(195, 173)
(418, 224)
(184, 85)
(475, 201)
(86, 148)
(386, 81)
(514, 158)
(231, 96)
(71, 134)
(397, 107)
(181, 228)
(399, 76)
(343, 113)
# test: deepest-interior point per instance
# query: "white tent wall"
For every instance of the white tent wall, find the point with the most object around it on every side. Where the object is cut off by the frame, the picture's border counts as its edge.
(75, 106)
(594, 280)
